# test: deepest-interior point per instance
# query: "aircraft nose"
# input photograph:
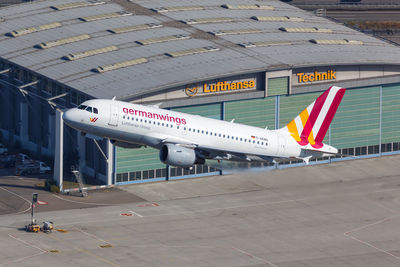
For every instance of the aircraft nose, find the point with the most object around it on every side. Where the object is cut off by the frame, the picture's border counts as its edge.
(68, 116)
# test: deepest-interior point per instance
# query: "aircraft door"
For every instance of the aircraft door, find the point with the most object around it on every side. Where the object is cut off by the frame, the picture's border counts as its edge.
(113, 115)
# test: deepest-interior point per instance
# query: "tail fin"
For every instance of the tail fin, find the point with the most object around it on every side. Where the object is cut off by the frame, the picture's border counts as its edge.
(311, 125)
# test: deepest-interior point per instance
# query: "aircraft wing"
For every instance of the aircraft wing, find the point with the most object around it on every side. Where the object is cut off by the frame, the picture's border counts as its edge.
(206, 152)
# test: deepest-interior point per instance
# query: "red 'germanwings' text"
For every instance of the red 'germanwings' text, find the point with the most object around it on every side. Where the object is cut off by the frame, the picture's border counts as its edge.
(152, 115)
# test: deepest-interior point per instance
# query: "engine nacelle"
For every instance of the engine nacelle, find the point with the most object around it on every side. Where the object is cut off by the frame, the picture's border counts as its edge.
(179, 156)
(124, 144)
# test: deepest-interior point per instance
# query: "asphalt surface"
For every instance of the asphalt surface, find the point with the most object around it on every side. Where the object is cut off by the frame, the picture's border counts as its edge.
(16, 194)
(341, 214)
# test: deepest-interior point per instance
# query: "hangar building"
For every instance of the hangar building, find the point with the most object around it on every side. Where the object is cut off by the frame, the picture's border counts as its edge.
(258, 62)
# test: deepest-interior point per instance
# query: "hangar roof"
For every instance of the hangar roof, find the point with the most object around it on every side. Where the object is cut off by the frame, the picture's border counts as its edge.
(118, 48)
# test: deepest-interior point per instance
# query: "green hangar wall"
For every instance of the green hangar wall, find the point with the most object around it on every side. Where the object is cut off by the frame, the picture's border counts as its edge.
(366, 123)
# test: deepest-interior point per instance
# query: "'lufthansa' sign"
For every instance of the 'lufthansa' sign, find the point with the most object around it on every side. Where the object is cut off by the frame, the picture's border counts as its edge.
(220, 87)
(316, 76)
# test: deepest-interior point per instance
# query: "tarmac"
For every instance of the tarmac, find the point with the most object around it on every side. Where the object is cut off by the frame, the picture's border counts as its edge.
(340, 214)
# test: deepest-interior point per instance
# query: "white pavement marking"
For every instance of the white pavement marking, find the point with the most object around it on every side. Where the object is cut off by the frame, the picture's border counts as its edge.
(239, 206)
(91, 235)
(42, 251)
(81, 202)
(15, 194)
(348, 234)
(372, 246)
(137, 214)
(255, 257)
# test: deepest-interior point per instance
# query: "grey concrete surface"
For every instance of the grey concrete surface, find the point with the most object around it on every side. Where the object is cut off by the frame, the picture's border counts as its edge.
(343, 214)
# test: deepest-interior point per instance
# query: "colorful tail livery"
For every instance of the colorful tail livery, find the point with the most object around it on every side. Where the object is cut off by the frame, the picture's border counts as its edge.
(311, 125)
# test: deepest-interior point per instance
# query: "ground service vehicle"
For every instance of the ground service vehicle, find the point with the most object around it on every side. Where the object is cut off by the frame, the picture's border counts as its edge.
(32, 168)
(3, 149)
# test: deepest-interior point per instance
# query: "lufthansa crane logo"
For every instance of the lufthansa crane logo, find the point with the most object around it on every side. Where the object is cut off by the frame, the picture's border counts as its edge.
(191, 90)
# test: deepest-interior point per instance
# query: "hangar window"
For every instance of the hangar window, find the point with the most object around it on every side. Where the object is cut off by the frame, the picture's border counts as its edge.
(278, 86)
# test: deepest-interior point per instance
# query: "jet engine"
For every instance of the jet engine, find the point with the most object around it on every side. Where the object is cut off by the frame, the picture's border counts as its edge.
(124, 144)
(179, 156)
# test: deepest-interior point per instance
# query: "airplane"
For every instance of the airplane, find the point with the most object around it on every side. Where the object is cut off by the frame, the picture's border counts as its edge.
(184, 140)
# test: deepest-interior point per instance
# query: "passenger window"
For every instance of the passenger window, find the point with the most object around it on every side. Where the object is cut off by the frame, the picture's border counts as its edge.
(219, 135)
(202, 132)
(223, 136)
(162, 124)
(95, 111)
(158, 123)
(177, 127)
(240, 139)
(207, 132)
(172, 126)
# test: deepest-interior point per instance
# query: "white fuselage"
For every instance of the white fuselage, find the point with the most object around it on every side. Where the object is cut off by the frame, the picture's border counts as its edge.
(137, 124)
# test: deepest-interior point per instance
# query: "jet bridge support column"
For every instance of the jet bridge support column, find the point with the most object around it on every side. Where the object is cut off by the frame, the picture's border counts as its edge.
(59, 150)
(110, 163)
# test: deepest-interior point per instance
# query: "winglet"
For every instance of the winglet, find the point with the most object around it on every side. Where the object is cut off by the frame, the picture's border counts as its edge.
(113, 99)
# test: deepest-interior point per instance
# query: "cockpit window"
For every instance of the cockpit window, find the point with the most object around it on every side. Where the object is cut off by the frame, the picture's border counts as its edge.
(82, 107)
(88, 109)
